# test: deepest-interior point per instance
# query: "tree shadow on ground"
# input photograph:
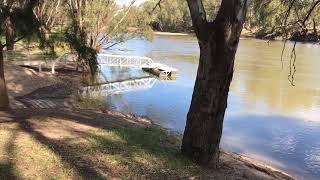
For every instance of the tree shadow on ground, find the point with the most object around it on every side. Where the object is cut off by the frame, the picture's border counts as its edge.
(137, 144)
(7, 166)
(83, 167)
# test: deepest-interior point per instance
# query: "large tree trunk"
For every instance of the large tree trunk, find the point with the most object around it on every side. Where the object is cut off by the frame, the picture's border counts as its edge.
(4, 100)
(218, 43)
(9, 34)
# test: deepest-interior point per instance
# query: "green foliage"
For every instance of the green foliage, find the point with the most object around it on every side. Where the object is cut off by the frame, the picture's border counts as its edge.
(96, 24)
(87, 54)
(174, 15)
(95, 103)
(21, 16)
(263, 16)
(273, 16)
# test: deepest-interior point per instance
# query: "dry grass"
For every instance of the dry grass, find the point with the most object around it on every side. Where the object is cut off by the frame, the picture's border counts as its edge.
(88, 145)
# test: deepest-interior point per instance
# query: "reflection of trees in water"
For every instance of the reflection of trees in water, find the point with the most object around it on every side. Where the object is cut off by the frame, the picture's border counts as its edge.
(119, 73)
(258, 77)
(159, 115)
(119, 102)
(271, 86)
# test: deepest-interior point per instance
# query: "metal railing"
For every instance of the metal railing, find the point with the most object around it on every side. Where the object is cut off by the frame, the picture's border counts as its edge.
(125, 61)
(120, 87)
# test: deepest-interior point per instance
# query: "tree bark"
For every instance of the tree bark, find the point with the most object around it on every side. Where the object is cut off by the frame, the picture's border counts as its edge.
(218, 42)
(4, 100)
(9, 34)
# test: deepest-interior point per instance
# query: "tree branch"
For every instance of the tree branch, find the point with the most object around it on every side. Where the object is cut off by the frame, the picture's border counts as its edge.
(102, 40)
(311, 10)
(116, 43)
(199, 19)
(155, 7)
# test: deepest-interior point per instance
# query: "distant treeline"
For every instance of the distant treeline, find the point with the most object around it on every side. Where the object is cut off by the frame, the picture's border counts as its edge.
(265, 18)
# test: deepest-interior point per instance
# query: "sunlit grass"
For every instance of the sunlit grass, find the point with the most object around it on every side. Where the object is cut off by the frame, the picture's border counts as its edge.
(146, 151)
(23, 157)
(126, 152)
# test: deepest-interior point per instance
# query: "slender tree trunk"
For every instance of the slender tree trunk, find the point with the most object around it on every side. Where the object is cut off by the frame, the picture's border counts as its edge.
(9, 34)
(314, 27)
(4, 100)
(218, 43)
(46, 41)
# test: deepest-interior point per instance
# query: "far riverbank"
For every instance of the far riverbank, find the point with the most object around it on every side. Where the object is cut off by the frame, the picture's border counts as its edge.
(247, 34)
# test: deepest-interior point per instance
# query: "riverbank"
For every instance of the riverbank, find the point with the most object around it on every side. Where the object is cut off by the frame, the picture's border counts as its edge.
(247, 34)
(73, 143)
(172, 34)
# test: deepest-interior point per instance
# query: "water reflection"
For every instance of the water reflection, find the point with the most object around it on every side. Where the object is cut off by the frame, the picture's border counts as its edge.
(267, 118)
(281, 141)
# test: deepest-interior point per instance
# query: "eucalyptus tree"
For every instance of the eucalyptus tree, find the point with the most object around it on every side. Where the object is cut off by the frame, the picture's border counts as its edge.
(23, 24)
(174, 15)
(273, 16)
(218, 40)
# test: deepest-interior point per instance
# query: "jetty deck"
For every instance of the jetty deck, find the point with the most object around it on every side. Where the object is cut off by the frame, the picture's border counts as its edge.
(147, 64)
(162, 70)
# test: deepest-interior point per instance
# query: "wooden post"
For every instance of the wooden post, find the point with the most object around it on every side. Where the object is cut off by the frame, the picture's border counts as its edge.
(52, 67)
(40, 68)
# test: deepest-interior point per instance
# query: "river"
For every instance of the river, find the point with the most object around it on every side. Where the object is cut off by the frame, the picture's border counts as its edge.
(267, 118)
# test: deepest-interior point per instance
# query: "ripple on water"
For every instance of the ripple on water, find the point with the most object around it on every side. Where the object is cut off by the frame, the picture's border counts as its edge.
(312, 160)
(285, 143)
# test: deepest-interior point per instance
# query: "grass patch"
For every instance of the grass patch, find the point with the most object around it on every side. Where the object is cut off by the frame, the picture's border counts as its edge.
(126, 152)
(141, 152)
(22, 157)
(95, 103)
(78, 146)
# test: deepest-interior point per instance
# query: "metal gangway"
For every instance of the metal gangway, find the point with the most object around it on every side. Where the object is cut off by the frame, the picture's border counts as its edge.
(145, 63)
(125, 61)
(120, 86)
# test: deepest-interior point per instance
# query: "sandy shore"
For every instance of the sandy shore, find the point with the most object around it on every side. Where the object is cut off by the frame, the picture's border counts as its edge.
(172, 34)
(24, 81)
(244, 34)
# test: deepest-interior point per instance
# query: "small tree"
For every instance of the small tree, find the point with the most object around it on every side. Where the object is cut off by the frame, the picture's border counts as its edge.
(49, 14)
(100, 23)
(24, 24)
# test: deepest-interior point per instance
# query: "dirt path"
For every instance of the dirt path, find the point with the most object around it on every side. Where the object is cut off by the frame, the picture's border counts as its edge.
(28, 88)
